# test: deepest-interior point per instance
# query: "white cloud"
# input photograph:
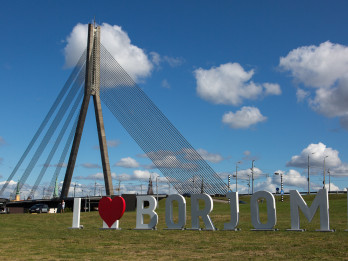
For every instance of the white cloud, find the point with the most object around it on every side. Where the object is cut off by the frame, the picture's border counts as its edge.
(191, 154)
(272, 88)
(144, 175)
(332, 186)
(246, 173)
(301, 94)
(96, 176)
(332, 102)
(324, 68)
(90, 166)
(157, 59)
(211, 157)
(123, 177)
(291, 178)
(127, 163)
(61, 164)
(341, 170)
(132, 58)
(317, 66)
(243, 118)
(171, 161)
(2, 141)
(247, 153)
(230, 84)
(266, 185)
(174, 61)
(316, 152)
(165, 84)
(112, 143)
(109, 143)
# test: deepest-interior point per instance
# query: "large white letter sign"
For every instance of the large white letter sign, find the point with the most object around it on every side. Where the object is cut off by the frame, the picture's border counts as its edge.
(271, 211)
(347, 207)
(321, 200)
(204, 213)
(234, 207)
(141, 211)
(182, 212)
(76, 214)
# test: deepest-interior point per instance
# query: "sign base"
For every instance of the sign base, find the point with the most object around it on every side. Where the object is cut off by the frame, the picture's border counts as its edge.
(265, 229)
(155, 228)
(113, 227)
(329, 230)
(80, 227)
(296, 230)
(233, 229)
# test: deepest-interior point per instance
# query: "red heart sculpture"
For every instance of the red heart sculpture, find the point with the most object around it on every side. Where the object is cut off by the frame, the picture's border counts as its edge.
(111, 210)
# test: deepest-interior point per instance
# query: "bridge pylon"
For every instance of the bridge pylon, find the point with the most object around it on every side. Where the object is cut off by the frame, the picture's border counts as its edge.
(92, 87)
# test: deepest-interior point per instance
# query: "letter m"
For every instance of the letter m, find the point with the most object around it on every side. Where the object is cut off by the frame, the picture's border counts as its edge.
(321, 201)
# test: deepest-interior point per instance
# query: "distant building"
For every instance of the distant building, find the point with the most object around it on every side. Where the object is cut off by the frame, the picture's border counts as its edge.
(149, 189)
(18, 194)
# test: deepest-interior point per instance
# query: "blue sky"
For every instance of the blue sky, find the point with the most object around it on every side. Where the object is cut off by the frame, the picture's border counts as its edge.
(241, 80)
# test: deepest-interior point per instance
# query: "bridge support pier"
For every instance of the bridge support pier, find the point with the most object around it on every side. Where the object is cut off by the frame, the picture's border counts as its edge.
(92, 87)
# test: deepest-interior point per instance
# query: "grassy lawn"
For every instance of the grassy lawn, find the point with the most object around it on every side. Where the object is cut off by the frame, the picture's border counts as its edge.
(46, 236)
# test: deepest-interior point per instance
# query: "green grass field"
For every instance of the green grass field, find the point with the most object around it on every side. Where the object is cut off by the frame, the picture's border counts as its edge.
(46, 236)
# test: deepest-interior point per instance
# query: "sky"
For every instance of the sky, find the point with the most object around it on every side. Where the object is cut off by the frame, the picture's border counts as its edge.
(243, 81)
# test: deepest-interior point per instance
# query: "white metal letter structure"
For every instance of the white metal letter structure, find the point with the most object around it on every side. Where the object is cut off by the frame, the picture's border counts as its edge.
(141, 211)
(271, 211)
(204, 213)
(76, 214)
(234, 207)
(321, 201)
(181, 215)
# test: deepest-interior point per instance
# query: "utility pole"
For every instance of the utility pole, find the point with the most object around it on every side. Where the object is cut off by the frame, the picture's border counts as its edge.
(309, 192)
(328, 171)
(281, 184)
(202, 186)
(141, 189)
(237, 175)
(248, 184)
(157, 191)
(74, 189)
(324, 172)
(229, 183)
(252, 177)
(95, 188)
(309, 189)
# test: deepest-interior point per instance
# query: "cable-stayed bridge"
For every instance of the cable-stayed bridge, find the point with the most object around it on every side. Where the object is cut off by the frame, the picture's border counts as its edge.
(98, 75)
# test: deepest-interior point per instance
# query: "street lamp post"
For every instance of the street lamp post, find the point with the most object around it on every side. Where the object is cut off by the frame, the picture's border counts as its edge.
(281, 185)
(248, 184)
(229, 183)
(237, 175)
(157, 191)
(328, 171)
(324, 172)
(309, 189)
(252, 177)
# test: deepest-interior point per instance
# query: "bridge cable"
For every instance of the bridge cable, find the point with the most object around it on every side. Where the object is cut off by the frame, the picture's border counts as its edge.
(61, 94)
(64, 106)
